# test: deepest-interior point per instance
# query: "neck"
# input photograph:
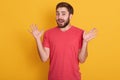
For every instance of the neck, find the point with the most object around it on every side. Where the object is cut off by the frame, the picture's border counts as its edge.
(66, 28)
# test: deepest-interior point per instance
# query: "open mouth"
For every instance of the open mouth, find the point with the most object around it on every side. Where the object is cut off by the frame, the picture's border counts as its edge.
(60, 20)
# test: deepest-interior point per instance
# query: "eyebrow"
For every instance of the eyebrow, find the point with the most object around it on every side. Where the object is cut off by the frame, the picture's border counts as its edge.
(61, 11)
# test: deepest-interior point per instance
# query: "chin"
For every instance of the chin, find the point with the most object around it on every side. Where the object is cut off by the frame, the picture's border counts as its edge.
(61, 26)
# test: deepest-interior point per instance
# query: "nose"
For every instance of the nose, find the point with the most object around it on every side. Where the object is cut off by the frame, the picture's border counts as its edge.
(59, 16)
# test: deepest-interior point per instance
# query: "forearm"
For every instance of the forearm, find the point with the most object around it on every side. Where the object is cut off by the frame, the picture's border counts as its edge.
(83, 52)
(41, 50)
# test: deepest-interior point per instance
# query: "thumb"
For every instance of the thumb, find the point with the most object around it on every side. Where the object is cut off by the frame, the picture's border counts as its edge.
(84, 33)
(42, 32)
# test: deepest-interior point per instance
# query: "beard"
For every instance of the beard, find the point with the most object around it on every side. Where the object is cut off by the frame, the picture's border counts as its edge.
(61, 24)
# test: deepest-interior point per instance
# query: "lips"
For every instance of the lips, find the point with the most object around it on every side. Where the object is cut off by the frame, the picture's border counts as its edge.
(60, 20)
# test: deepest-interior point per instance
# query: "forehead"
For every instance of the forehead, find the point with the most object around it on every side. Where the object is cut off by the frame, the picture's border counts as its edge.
(62, 9)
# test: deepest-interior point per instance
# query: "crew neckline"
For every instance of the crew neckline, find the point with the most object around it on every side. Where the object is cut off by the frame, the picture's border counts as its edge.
(66, 30)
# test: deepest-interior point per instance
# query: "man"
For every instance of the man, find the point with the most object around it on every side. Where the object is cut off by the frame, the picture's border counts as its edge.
(65, 45)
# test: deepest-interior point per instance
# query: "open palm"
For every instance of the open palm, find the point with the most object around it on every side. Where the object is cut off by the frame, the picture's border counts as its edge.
(35, 32)
(90, 35)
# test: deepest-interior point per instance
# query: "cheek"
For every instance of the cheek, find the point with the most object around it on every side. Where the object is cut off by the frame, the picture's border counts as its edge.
(66, 18)
(56, 17)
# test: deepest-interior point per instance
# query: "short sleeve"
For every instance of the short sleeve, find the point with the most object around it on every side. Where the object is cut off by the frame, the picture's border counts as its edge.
(81, 39)
(46, 40)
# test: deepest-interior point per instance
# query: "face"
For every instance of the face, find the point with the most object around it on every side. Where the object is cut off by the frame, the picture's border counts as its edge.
(62, 17)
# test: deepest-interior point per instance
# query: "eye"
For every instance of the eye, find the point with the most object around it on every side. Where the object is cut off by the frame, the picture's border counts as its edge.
(63, 14)
(57, 14)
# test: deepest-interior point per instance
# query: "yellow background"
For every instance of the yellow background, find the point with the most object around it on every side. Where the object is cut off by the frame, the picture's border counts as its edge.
(19, 59)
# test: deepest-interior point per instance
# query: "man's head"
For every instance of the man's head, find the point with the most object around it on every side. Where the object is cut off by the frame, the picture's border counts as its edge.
(64, 12)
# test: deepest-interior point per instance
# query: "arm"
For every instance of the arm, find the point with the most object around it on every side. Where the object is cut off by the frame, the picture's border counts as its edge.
(83, 53)
(43, 51)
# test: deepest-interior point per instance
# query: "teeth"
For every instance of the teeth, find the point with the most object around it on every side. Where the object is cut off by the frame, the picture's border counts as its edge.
(61, 21)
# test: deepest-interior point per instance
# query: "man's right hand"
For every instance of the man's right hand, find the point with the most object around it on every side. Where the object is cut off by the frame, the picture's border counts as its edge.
(43, 51)
(35, 32)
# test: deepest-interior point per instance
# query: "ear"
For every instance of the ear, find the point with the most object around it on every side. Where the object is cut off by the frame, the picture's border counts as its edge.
(71, 16)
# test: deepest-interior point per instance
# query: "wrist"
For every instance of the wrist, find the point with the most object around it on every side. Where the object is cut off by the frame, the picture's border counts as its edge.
(85, 42)
(37, 39)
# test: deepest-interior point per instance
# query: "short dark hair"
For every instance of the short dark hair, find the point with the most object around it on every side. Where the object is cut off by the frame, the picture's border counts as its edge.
(66, 5)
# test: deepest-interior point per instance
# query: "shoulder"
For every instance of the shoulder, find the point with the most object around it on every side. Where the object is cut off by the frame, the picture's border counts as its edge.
(78, 29)
(51, 30)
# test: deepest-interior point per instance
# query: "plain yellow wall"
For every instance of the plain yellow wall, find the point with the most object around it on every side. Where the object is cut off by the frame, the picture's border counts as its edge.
(19, 59)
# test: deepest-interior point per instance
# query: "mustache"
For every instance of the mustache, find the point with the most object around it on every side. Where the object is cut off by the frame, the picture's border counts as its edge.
(60, 20)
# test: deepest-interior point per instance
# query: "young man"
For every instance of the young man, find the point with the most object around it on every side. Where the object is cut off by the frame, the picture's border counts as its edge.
(65, 45)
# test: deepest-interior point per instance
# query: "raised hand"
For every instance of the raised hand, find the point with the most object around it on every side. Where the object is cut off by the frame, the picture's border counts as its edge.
(35, 32)
(90, 35)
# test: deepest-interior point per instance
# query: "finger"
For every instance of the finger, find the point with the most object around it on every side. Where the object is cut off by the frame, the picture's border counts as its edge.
(42, 32)
(93, 30)
(84, 33)
(30, 28)
(36, 27)
(91, 38)
(33, 27)
(29, 31)
(93, 34)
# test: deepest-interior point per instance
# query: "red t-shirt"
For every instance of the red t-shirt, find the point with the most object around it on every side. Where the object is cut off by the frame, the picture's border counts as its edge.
(64, 47)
